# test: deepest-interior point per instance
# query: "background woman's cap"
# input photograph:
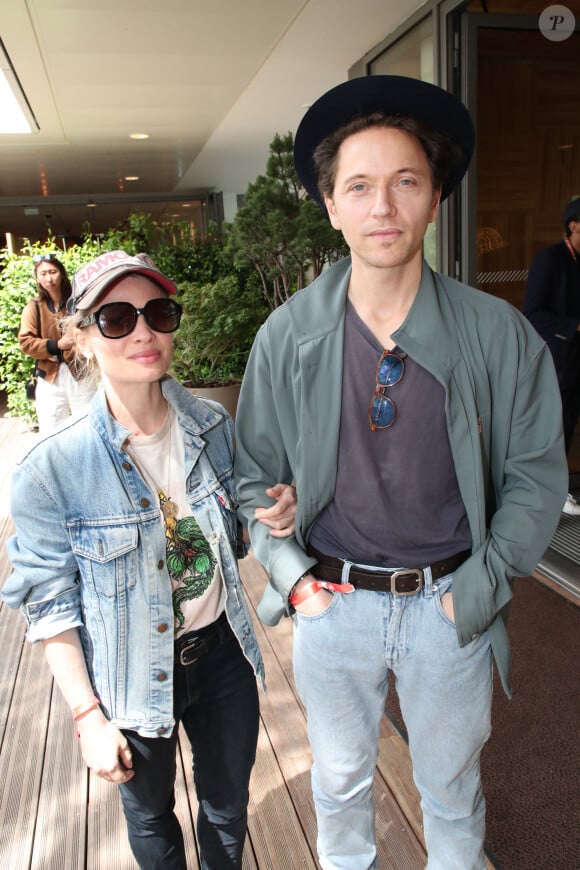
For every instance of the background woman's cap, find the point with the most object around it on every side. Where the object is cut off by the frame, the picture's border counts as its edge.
(394, 95)
(93, 279)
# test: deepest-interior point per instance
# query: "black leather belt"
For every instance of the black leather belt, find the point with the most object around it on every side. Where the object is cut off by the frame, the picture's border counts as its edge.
(407, 581)
(194, 644)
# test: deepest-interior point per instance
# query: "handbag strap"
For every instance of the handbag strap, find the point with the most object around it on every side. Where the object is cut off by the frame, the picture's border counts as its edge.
(38, 329)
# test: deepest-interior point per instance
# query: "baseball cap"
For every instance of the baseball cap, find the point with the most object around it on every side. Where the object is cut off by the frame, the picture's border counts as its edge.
(94, 278)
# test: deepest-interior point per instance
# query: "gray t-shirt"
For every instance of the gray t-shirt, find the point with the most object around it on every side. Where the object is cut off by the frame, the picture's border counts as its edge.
(397, 502)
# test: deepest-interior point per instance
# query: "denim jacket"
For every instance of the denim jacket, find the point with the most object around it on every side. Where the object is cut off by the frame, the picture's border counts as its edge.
(89, 552)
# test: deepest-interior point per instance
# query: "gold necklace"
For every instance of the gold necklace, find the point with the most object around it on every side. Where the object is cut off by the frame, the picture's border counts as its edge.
(169, 508)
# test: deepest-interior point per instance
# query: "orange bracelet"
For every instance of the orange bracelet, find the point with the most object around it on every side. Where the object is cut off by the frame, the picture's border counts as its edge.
(79, 711)
(316, 586)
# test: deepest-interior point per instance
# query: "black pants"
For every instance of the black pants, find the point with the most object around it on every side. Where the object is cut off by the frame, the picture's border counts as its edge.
(216, 699)
(570, 393)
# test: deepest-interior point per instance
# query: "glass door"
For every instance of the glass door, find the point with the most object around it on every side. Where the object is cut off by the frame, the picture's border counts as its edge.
(523, 89)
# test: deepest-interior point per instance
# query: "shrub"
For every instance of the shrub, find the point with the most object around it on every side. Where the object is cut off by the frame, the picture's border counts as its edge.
(17, 287)
(219, 323)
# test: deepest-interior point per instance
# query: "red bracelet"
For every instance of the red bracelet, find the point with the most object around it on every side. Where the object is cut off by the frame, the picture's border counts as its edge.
(79, 711)
(316, 586)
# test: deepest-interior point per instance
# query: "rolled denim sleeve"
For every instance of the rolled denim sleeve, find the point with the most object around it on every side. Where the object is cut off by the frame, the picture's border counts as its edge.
(44, 582)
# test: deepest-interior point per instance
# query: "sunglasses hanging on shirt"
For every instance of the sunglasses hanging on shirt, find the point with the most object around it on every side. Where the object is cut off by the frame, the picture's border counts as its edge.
(382, 409)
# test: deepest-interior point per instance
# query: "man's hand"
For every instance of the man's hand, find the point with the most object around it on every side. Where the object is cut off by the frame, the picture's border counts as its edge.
(447, 605)
(280, 517)
(314, 604)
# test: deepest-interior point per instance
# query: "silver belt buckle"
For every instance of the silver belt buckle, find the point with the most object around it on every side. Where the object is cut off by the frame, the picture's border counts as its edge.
(192, 651)
(420, 581)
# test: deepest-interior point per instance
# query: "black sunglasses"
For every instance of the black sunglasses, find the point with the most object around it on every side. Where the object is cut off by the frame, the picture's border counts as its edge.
(118, 319)
(382, 409)
(42, 258)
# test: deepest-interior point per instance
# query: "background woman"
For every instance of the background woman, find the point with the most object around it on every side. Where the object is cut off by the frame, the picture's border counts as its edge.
(60, 391)
(126, 571)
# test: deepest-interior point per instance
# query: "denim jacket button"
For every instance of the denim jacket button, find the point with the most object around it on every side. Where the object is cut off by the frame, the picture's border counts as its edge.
(161, 564)
(161, 677)
(162, 627)
(144, 502)
(475, 636)
(127, 465)
(161, 732)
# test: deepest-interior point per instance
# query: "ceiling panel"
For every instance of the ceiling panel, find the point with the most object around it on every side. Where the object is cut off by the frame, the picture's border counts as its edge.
(94, 72)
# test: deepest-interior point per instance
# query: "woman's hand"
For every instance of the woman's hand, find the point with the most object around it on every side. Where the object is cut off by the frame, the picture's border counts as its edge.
(104, 748)
(65, 342)
(281, 516)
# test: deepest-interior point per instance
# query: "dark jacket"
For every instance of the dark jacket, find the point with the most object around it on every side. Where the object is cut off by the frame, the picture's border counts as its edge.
(552, 305)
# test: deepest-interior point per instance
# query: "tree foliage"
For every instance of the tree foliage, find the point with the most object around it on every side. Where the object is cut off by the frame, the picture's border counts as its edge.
(280, 230)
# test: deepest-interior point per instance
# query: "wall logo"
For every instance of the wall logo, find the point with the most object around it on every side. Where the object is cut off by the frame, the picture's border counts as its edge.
(557, 23)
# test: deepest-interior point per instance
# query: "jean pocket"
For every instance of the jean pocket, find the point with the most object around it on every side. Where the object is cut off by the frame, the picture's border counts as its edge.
(312, 617)
(108, 557)
(442, 589)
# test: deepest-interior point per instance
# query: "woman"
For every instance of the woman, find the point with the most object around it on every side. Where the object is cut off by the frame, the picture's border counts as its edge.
(59, 389)
(132, 583)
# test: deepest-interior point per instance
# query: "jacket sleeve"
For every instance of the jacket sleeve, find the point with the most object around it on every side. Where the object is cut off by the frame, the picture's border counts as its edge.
(541, 292)
(262, 439)
(44, 582)
(30, 339)
(529, 476)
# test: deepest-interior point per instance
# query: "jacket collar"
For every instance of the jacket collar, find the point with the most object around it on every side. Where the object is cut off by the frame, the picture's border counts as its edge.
(194, 416)
(425, 335)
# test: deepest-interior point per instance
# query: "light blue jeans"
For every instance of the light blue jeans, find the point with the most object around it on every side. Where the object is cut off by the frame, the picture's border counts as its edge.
(342, 659)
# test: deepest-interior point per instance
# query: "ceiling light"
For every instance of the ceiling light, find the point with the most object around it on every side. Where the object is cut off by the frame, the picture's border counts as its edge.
(16, 116)
(91, 204)
(138, 135)
(131, 178)
(185, 205)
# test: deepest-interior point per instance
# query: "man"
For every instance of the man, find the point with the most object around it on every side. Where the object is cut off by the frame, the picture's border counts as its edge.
(552, 304)
(419, 420)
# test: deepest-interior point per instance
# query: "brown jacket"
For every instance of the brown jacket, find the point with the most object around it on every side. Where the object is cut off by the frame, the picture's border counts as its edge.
(43, 346)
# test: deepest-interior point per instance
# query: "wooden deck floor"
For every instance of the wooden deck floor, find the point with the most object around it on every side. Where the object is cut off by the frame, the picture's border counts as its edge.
(55, 815)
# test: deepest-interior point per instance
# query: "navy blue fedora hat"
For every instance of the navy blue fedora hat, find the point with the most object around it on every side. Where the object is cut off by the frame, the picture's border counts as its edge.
(571, 212)
(393, 95)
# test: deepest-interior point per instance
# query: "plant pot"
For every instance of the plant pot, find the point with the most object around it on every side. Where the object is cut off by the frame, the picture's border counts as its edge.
(226, 394)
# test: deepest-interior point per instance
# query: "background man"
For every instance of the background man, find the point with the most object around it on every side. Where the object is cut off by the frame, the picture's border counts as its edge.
(552, 304)
(420, 420)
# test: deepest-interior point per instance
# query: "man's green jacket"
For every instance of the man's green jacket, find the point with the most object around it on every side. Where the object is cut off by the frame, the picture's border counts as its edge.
(504, 420)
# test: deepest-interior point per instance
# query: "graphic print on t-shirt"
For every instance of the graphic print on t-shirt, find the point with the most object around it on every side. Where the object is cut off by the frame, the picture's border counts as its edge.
(190, 561)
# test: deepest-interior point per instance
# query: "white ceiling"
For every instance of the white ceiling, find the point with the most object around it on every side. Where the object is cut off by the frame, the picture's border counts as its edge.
(211, 81)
